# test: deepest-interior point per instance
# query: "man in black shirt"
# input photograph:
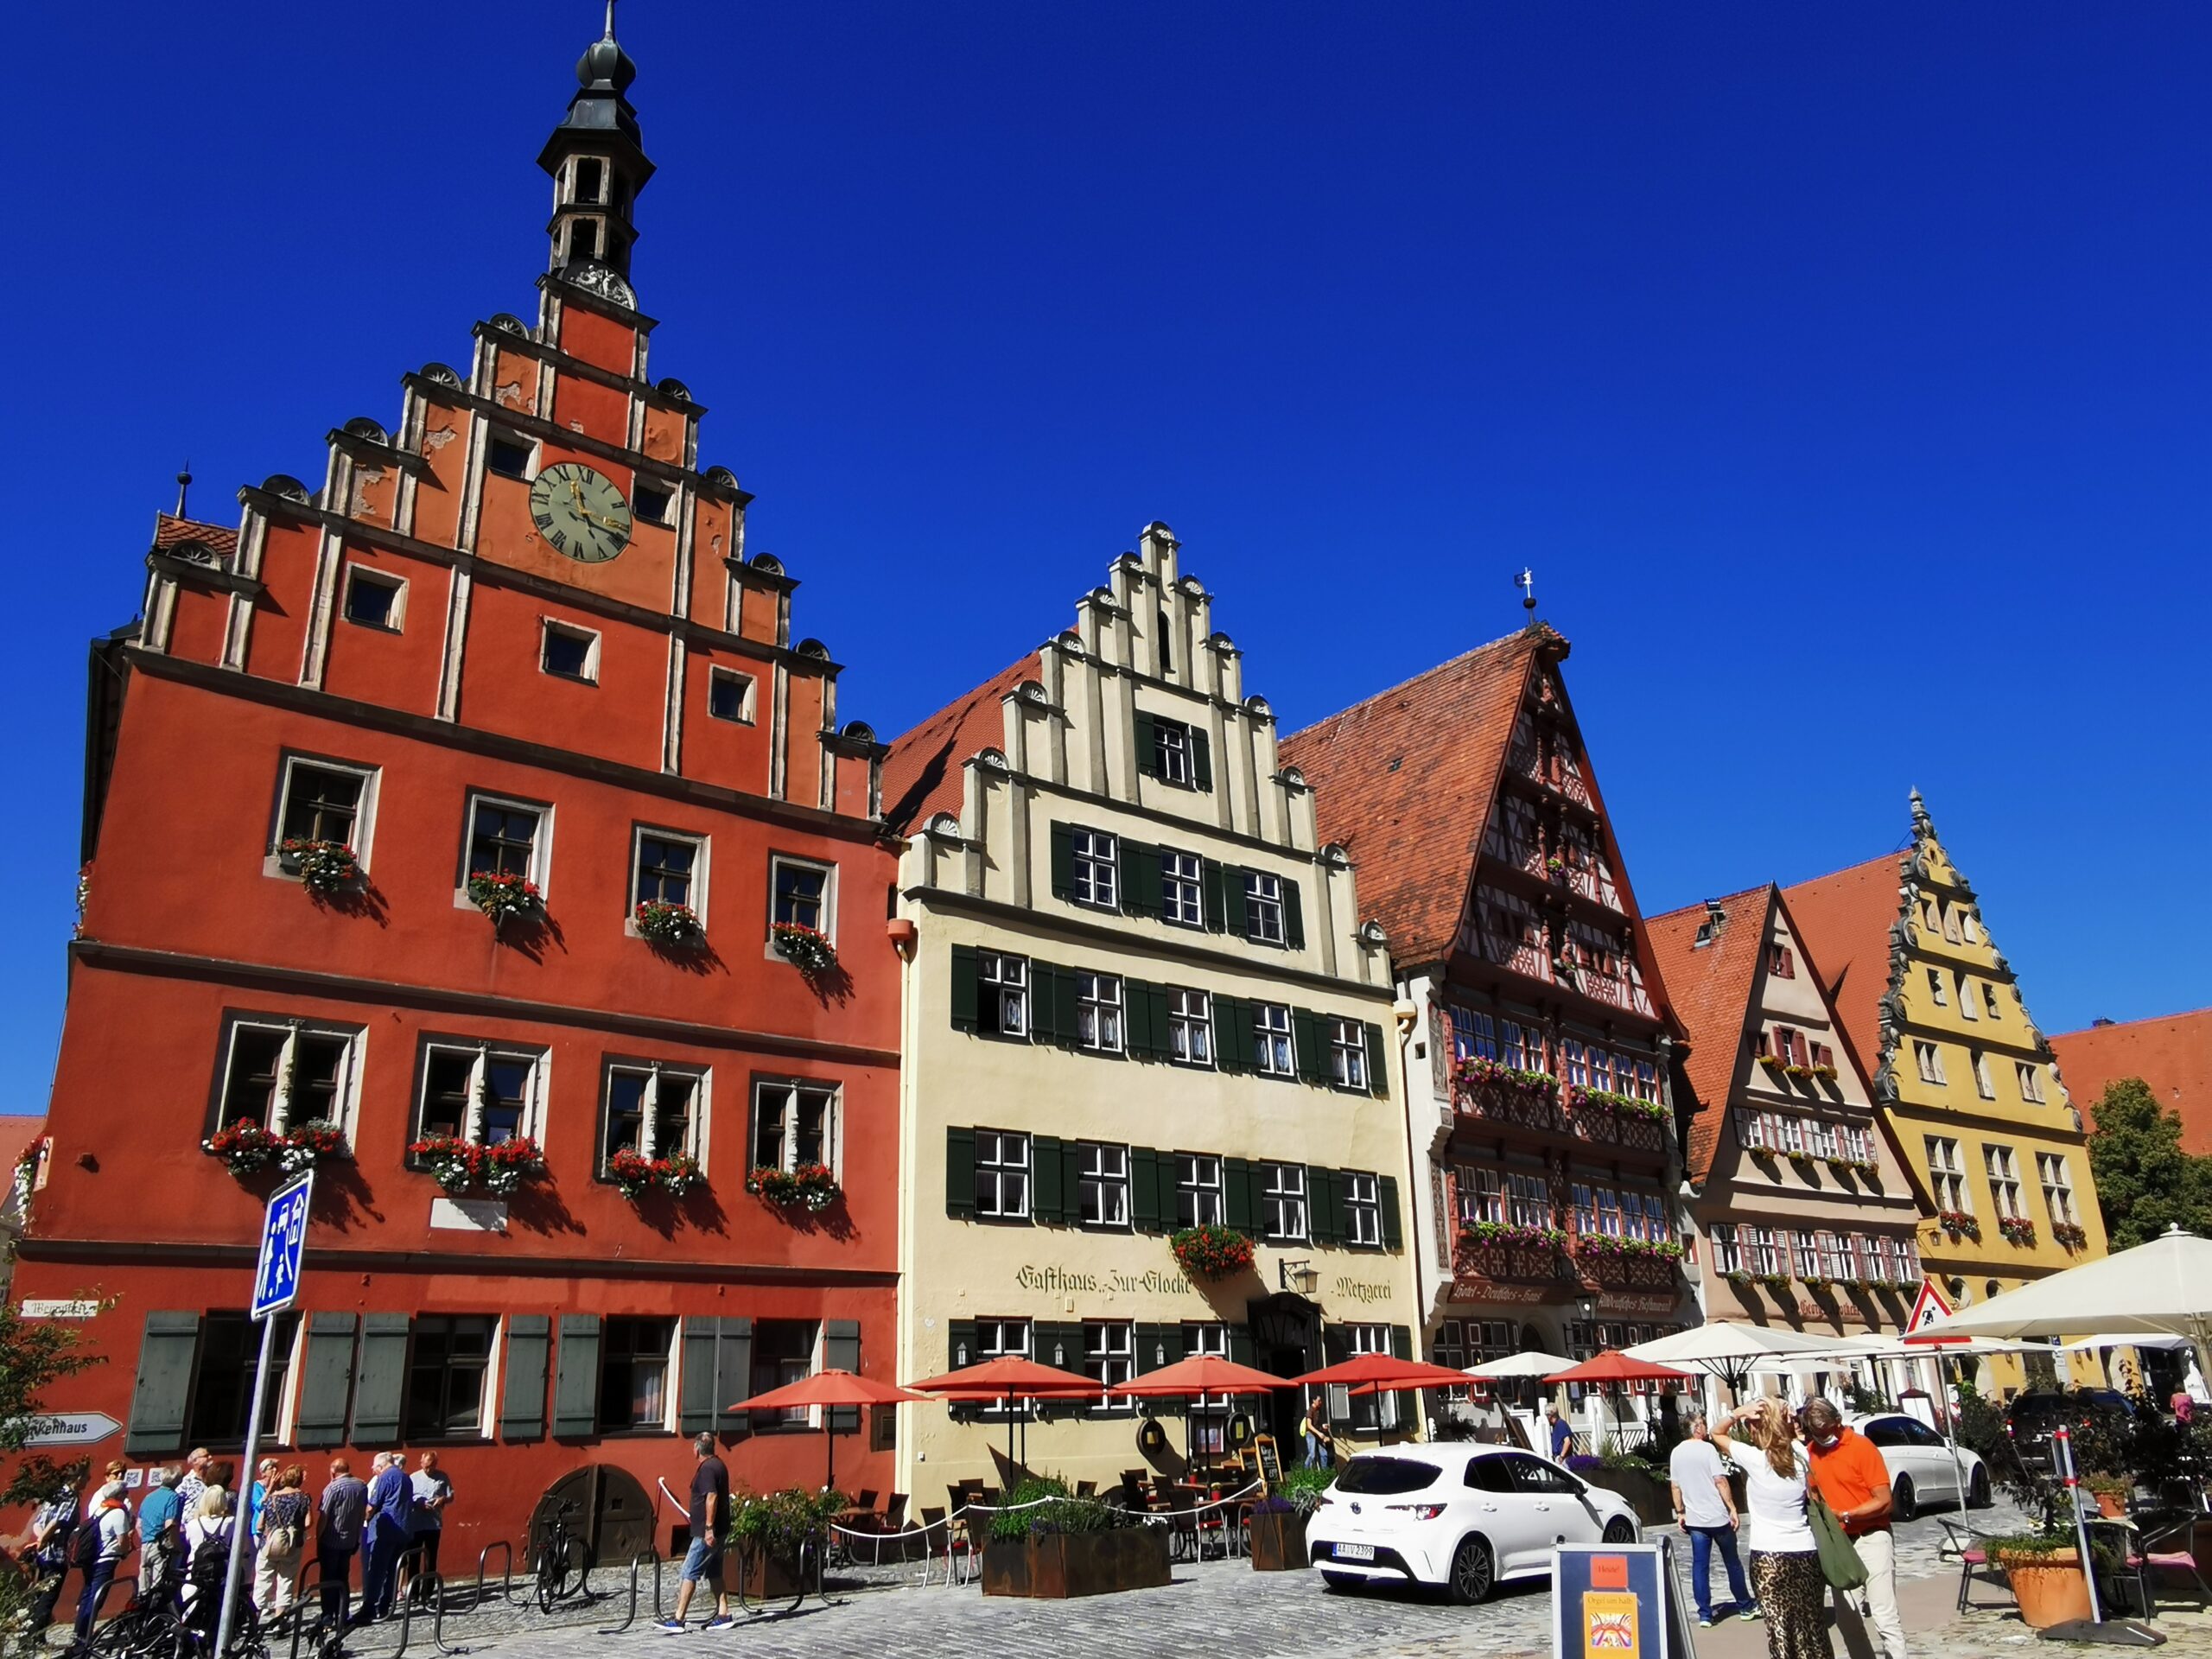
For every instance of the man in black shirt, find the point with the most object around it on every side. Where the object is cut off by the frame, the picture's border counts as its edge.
(710, 1520)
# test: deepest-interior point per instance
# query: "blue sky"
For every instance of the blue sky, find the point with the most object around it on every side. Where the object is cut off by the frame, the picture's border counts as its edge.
(1841, 372)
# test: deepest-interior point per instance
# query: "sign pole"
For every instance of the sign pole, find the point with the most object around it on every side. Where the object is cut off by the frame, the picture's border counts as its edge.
(241, 1513)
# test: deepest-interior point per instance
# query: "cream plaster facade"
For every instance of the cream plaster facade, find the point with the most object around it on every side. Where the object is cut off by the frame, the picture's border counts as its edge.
(996, 884)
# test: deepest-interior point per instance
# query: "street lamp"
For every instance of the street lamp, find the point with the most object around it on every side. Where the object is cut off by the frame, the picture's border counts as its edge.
(1300, 1276)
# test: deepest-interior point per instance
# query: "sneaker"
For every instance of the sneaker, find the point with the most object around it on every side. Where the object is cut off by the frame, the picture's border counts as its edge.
(670, 1627)
(1705, 1621)
(719, 1622)
(1752, 1612)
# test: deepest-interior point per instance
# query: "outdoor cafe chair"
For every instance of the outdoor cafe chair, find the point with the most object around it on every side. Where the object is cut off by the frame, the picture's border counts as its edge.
(2171, 1551)
(1970, 1549)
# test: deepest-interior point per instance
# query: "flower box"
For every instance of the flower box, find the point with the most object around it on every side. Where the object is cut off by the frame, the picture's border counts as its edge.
(1481, 1070)
(245, 1147)
(2017, 1230)
(504, 896)
(675, 927)
(1211, 1252)
(2070, 1234)
(1771, 1281)
(1057, 1566)
(1959, 1224)
(500, 1168)
(1605, 1100)
(1506, 1232)
(323, 867)
(312, 1144)
(809, 952)
(1278, 1539)
(1605, 1246)
(811, 1186)
(638, 1177)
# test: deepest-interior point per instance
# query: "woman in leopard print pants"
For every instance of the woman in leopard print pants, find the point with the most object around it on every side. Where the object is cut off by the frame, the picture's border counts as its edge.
(1785, 1559)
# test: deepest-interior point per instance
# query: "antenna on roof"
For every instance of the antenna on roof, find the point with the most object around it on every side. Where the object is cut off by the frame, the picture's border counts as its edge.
(1526, 582)
(183, 485)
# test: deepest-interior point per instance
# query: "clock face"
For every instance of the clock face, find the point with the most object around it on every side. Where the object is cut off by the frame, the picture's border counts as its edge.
(580, 512)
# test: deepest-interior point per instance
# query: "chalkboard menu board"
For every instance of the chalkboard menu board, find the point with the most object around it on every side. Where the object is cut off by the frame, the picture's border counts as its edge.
(1270, 1464)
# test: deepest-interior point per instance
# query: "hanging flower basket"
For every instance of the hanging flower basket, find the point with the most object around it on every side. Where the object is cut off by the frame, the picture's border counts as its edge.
(1826, 1072)
(1959, 1224)
(504, 895)
(2017, 1229)
(675, 926)
(1772, 1062)
(811, 1186)
(1211, 1252)
(245, 1147)
(1801, 1157)
(1506, 1232)
(321, 866)
(806, 949)
(636, 1175)
(309, 1145)
(1772, 1281)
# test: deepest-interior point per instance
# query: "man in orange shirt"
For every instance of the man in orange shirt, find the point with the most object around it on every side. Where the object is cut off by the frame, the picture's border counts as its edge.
(1849, 1474)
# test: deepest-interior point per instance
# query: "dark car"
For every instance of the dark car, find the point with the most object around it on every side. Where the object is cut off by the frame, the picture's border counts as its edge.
(2032, 1417)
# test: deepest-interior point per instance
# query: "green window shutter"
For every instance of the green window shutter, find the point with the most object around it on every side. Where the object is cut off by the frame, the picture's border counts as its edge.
(1163, 1044)
(157, 1399)
(576, 1382)
(1230, 1018)
(960, 1345)
(1201, 759)
(959, 1175)
(1044, 1002)
(1058, 1344)
(1294, 916)
(1147, 745)
(326, 1381)
(1233, 918)
(1066, 1026)
(522, 1390)
(1394, 1225)
(1158, 1346)
(1063, 861)
(1144, 1190)
(1140, 879)
(1401, 1341)
(1071, 1182)
(841, 1351)
(1046, 1199)
(1240, 1344)
(1309, 1046)
(734, 1375)
(1237, 1206)
(1320, 1211)
(1169, 1192)
(1378, 1063)
(1211, 886)
(963, 988)
(698, 1406)
(381, 1384)
(1136, 1021)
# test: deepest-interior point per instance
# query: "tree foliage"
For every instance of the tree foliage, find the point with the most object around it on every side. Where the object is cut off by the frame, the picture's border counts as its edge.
(2145, 1182)
(35, 1354)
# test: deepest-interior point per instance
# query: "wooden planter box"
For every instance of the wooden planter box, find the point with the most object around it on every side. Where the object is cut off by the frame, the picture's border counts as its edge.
(2049, 1588)
(765, 1578)
(1061, 1565)
(1647, 1495)
(1278, 1540)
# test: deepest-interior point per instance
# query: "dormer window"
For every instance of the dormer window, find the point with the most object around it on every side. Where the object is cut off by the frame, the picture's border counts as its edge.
(651, 504)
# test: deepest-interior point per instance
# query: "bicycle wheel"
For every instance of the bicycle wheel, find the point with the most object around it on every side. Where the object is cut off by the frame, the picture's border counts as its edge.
(549, 1557)
(577, 1579)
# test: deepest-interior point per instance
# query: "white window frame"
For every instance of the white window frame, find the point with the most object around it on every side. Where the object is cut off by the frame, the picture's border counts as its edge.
(1984, 1084)
(1529, 1199)
(1284, 1198)
(1479, 1195)
(1190, 1027)
(776, 863)
(1946, 1173)
(781, 1096)
(1171, 753)
(1364, 1339)
(997, 1347)
(1109, 1356)
(537, 1061)
(1935, 987)
(1004, 978)
(2030, 1076)
(540, 843)
(365, 810)
(746, 715)
(669, 494)
(2001, 1164)
(1095, 878)
(1351, 1066)
(1929, 1057)
(1095, 1011)
(1363, 1210)
(1266, 910)
(533, 453)
(395, 619)
(695, 1138)
(701, 846)
(1198, 1173)
(1182, 896)
(549, 626)
(347, 1101)
(1274, 1050)
(1963, 989)
(1720, 1244)
(1104, 1172)
(2057, 1181)
(998, 1167)
(1770, 1249)
(1209, 1412)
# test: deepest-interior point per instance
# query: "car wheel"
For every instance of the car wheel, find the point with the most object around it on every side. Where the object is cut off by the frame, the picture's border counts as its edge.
(1620, 1530)
(1978, 1489)
(1340, 1584)
(1901, 1507)
(1474, 1574)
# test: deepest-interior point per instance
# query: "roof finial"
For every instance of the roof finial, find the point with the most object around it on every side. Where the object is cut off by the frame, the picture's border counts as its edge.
(1526, 582)
(183, 485)
(610, 21)
(1923, 826)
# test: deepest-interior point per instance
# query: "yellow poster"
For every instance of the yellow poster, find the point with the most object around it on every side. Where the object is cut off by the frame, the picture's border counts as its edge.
(1608, 1624)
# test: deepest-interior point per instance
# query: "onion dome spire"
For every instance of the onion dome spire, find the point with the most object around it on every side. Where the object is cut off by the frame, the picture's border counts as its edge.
(598, 163)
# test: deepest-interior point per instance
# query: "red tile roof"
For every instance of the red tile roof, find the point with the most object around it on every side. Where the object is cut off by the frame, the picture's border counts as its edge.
(2172, 1053)
(1404, 780)
(922, 772)
(1709, 988)
(169, 530)
(1843, 922)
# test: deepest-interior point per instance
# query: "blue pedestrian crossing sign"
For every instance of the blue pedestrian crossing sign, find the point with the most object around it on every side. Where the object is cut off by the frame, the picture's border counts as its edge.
(283, 1240)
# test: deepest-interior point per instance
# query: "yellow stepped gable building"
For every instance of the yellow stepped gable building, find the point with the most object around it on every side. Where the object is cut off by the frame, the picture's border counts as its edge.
(1965, 1080)
(1139, 997)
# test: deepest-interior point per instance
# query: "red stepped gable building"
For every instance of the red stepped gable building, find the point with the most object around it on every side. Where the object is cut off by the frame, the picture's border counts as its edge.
(1537, 1056)
(2171, 1053)
(510, 657)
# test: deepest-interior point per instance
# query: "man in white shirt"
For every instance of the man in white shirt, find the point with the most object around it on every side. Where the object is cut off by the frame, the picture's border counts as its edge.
(1706, 1507)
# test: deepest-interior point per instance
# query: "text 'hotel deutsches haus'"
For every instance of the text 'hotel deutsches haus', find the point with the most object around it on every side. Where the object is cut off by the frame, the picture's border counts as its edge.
(536, 894)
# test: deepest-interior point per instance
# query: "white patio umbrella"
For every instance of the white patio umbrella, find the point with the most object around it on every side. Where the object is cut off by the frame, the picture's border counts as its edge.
(1729, 1351)
(2160, 1289)
(2109, 1340)
(1519, 1365)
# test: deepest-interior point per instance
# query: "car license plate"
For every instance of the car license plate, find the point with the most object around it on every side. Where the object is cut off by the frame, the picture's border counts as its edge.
(1354, 1552)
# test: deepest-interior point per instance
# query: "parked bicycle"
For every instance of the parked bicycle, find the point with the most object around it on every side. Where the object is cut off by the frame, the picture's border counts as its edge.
(564, 1561)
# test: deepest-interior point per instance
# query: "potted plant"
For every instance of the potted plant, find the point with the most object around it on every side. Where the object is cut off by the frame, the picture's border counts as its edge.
(768, 1530)
(811, 1186)
(500, 1168)
(1211, 1252)
(451, 1160)
(504, 896)
(2111, 1493)
(245, 1147)
(636, 1176)
(2044, 1569)
(1644, 1483)
(1046, 1544)
(674, 927)
(2072, 1235)
(2017, 1230)
(805, 949)
(310, 1144)
(323, 866)
(1278, 1523)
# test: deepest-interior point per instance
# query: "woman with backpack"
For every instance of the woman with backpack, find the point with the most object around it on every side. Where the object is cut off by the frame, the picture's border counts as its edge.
(283, 1535)
(208, 1533)
(98, 1548)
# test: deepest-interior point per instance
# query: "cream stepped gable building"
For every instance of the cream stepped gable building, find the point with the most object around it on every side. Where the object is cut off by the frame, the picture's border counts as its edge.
(1139, 997)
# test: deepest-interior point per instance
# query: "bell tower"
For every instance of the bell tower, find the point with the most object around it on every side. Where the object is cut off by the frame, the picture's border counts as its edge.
(597, 163)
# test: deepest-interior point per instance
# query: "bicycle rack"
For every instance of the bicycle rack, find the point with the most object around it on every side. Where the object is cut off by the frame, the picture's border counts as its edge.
(631, 1617)
(507, 1571)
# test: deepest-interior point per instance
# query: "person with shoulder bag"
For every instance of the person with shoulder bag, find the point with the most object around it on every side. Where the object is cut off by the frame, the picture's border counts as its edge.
(47, 1546)
(285, 1513)
(1786, 1575)
(1853, 1483)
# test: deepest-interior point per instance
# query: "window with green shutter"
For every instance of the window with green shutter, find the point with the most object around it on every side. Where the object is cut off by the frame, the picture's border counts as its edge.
(522, 1402)
(1048, 1188)
(1148, 743)
(841, 1351)
(1310, 1039)
(1232, 1034)
(576, 1382)
(1144, 1190)
(380, 1387)
(1324, 1205)
(159, 1396)
(1201, 760)
(1214, 882)
(1064, 860)
(1240, 1209)
(1394, 1225)
(960, 1173)
(1294, 916)
(963, 988)
(1140, 879)
(326, 1382)
(1378, 1063)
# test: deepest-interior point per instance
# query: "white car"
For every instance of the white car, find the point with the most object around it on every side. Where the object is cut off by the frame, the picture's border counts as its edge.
(1467, 1517)
(1919, 1460)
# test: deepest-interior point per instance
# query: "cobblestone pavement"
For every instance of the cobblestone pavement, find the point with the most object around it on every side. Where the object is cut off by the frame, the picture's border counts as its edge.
(1218, 1610)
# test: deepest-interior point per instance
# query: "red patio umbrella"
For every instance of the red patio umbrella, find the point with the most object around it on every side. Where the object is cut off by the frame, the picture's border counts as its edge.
(1007, 1378)
(825, 1388)
(1200, 1374)
(1613, 1367)
(1387, 1370)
